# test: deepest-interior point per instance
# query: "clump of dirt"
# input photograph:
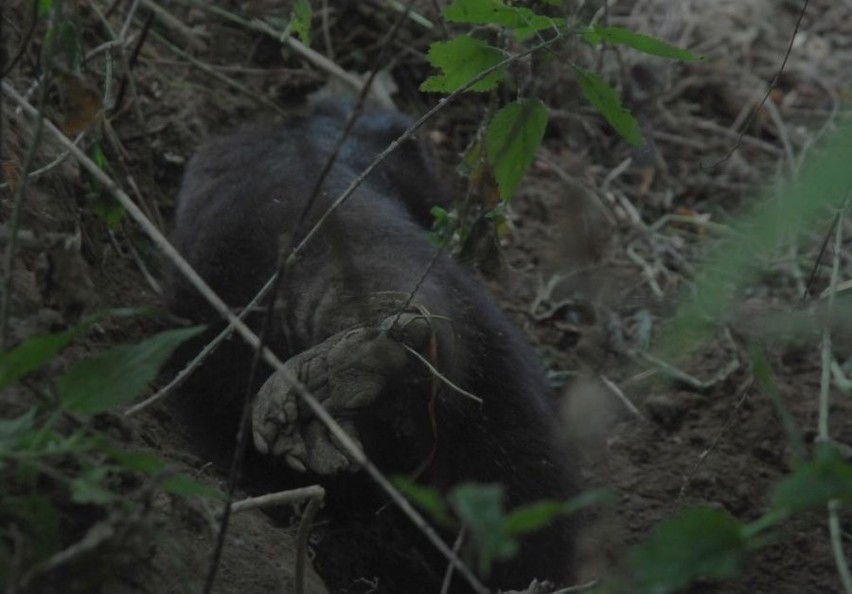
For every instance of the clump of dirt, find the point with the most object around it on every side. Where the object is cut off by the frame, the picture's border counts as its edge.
(603, 239)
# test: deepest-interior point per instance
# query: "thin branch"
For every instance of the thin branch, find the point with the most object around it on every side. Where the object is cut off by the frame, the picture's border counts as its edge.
(302, 540)
(441, 376)
(769, 89)
(251, 338)
(835, 531)
(409, 133)
(289, 497)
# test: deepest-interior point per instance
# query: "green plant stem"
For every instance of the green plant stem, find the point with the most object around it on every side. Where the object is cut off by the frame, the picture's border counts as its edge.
(835, 532)
(410, 132)
(250, 337)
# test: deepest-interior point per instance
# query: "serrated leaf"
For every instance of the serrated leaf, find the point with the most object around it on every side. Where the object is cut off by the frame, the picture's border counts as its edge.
(300, 21)
(607, 101)
(31, 355)
(426, 498)
(185, 486)
(89, 487)
(524, 21)
(813, 484)
(118, 375)
(698, 542)
(461, 60)
(642, 43)
(511, 141)
(481, 509)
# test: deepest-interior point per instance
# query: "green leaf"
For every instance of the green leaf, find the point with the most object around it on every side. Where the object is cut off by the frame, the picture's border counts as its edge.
(181, 484)
(607, 101)
(44, 7)
(38, 518)
(118, 375)
(107, 208)
(63, 46)
(481, 509)
(137, 461)
(532, 517)
(31, 355)
(177, 484)
(698, 542)
(425, 498)
(511, 141)
(643, 43)
(12, 429)
(535, 516)
(813, 484)
(495, 12)
(461, 60)
(300, 21)
(34, 352)
(89, 487)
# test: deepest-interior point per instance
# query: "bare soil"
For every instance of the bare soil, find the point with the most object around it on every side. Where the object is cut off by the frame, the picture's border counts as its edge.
(603, 240)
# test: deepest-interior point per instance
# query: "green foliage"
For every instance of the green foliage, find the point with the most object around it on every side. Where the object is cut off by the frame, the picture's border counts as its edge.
(31, 355)
(39, 519)
(607, 101)
(523, 21)
(514, 132)
(463, 59)
(710, 543)
(696, 543)
(426, 499)
(643, 43)
(44, 7)
(300, 20)
(108, 209)
(813, 484)
(797, 207)
(118, 375)
(63, 46)
(481, 510)
(512, 139)
(45, 473)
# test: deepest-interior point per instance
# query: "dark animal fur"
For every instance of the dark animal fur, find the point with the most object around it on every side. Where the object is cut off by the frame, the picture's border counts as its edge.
(242, 192)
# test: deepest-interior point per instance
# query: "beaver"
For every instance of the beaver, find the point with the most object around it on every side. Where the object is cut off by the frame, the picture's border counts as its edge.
(367, 294)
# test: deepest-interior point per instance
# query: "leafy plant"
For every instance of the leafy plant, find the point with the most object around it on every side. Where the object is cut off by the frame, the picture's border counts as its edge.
(514, 132)
(480, 509)
(710, 543)
(52, 459)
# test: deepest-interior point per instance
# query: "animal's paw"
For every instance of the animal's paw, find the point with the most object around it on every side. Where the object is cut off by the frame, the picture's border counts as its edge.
(346, 373)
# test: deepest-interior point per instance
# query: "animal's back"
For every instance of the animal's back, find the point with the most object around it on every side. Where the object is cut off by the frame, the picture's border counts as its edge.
(245, 194)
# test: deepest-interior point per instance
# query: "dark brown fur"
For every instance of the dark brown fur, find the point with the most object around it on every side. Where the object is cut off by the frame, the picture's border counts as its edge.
(243, 192)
